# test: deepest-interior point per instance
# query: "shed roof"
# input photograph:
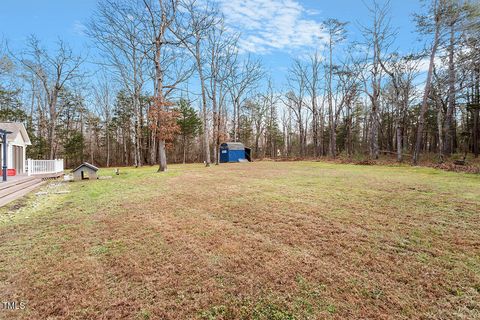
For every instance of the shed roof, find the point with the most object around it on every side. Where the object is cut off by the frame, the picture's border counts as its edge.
(16, 128)
(233, 145)
(86, 164)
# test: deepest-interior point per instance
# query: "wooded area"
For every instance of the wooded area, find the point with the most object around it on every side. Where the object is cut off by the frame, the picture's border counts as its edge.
(158, 60)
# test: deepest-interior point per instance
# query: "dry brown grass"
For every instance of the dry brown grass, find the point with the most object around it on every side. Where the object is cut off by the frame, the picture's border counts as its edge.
(470, 165)
(249, 241)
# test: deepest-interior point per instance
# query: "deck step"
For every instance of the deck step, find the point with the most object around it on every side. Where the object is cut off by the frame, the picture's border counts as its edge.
(9, 184)
(17, 187)
(21, 192)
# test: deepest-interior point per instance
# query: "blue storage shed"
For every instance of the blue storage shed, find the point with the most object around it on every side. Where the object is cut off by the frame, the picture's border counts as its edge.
(232, 152)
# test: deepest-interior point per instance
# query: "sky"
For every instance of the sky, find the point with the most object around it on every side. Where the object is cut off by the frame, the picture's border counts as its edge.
(276, 31)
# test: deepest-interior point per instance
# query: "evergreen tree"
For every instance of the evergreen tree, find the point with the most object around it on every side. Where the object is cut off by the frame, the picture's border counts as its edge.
(189, 123)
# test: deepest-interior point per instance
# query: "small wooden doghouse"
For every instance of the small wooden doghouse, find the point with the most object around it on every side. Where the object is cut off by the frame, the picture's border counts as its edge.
(85, 171)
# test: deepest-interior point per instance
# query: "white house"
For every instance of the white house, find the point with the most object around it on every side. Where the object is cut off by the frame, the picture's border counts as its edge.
(18, 141)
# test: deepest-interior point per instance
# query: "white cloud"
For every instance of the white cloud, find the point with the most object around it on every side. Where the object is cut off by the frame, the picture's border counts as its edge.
(268, 25)
(79, 28)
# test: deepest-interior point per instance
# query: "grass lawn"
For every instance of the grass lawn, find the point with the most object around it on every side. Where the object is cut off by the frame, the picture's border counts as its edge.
(303, 240)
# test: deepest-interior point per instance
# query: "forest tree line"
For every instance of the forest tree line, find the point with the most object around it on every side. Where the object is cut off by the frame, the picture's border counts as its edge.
(170, 84)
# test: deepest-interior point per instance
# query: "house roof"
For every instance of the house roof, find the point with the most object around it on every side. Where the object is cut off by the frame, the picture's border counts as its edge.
(16, 128)
(86, 164)
(233, 145)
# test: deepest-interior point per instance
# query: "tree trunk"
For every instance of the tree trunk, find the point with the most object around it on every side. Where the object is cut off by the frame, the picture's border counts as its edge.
(235, 120)
(374, 151)
(184, 149)
(321, 136)
(315, 123)
(138, 129)
(333, 138)
(204, 104)
(163, 156)
(219, 123)
(124, 149)
(215, 122)
(476, 130)
(448, 144)
(440, 132)
(476, 114)
(421, 117)
(349, 132)
(153, 147)
(108, 147)
(161, 101)
(399, 142)
(52, 122)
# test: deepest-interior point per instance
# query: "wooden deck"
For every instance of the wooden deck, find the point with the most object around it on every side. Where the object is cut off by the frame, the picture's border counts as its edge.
(19, 186)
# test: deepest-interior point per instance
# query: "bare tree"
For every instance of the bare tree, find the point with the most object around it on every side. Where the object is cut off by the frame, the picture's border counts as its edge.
(313, 82)
(402, 72)
(379, 38)
(243, 78)
(271, 99)
(457, 22)
(257, 107)
(118, 30)
(222, 46)
(103, 97)
(193, 32)
(5, 62)
(53, 72)
(348, 87)
(336, 34)
(431, 23)
(295, 100)
(162, 15)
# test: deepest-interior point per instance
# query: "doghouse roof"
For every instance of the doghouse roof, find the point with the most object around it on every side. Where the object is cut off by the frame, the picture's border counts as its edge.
(86, 164)
(233, 145)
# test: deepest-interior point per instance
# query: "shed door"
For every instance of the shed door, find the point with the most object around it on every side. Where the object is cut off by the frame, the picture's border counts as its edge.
(223, 155)
(18, 159)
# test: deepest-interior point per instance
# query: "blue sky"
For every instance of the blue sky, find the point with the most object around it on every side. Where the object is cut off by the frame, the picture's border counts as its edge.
(274, 30)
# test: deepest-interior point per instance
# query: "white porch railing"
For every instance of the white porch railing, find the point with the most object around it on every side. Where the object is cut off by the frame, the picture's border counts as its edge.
(35, 167)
